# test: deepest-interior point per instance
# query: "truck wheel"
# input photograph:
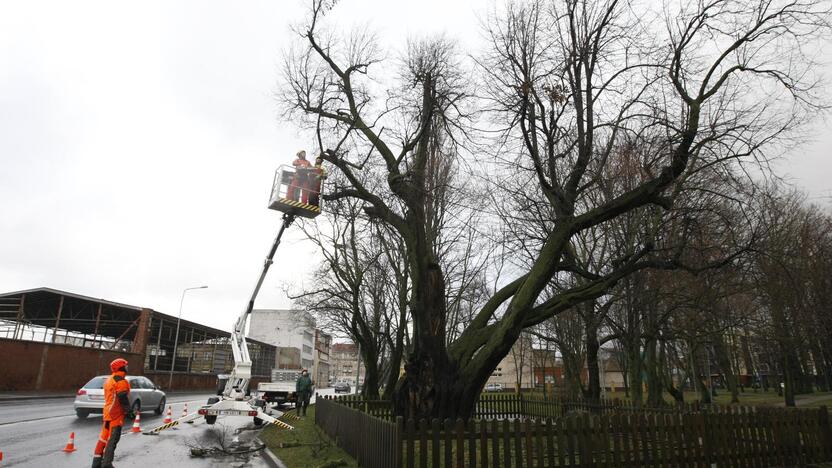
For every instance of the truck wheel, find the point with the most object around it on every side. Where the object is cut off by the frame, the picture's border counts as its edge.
(258, 421)
(211, 419)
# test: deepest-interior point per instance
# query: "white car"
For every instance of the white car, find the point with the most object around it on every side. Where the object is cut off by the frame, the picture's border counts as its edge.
(144, 396)
(494, 387)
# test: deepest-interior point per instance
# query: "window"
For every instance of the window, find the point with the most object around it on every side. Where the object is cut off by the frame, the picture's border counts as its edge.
(96, 383)
(148, 383)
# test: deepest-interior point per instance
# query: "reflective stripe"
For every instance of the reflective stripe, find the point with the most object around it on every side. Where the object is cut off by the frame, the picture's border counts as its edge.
(298, 204)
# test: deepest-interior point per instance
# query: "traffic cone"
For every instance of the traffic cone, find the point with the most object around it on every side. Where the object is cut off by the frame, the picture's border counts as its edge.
(185, 413)
(70, 445)
(137, 423)
(168, 417)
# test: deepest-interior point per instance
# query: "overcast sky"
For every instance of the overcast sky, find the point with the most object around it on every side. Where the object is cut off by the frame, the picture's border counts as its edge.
(138, 143)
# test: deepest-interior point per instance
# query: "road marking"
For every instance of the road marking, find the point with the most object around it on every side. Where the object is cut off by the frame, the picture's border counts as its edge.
(73, 416)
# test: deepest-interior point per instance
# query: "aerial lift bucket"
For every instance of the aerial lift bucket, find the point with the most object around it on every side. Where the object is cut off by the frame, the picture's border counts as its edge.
(296, 192)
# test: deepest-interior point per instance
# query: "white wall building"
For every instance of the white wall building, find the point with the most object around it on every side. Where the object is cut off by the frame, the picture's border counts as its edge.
(292, 331)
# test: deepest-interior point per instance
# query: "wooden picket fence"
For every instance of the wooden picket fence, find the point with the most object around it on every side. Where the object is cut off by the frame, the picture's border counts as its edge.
(736, 438)
(512, 405)
(372, 441)
(592, 436)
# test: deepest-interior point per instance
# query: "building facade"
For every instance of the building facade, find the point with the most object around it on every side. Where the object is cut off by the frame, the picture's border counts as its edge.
(516, 369)
(345, 363)
(323, 349)
(291, 331)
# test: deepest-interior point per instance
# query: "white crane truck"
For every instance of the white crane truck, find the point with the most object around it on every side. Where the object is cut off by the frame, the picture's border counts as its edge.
(235, 399)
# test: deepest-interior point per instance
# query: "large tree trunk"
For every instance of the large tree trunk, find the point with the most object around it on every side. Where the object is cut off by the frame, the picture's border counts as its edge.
(789, 365)
(655, 389)
(698, 372)
(593, 389)
(396, 355)
(431, 386)
(723, 357)
(824, 360)
(572, 374)
(634, 366)
(806, 383)
(371, 376)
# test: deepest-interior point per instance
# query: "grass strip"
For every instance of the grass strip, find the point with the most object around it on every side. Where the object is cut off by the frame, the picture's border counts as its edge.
(306, 446)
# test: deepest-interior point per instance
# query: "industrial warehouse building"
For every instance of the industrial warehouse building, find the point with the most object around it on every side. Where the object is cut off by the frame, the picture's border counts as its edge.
(55, 341)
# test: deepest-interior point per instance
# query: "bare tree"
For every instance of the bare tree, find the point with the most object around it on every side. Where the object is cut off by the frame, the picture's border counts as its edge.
(566, 83)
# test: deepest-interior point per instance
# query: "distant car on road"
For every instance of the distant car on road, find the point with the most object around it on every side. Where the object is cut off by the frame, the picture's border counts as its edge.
(144, 396)
(342, 387)
(494, 387)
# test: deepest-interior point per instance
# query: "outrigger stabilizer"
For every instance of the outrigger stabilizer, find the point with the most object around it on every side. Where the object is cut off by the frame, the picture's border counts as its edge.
(234, 400)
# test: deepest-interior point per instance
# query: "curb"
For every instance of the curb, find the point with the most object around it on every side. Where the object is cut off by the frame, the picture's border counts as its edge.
(35, 397)
(270, 458)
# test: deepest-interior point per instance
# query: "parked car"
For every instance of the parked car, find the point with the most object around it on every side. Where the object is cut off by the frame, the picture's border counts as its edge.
(494, 387)
(342, 387)
(144, 396)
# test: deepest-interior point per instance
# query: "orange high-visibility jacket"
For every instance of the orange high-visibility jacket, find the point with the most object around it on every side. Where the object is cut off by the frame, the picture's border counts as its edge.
(116, 401)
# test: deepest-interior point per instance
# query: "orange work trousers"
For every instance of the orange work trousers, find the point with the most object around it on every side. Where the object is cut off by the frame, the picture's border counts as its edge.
(105, 448)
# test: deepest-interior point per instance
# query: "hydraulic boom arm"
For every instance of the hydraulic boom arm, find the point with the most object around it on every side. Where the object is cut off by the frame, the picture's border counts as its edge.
(237, 384)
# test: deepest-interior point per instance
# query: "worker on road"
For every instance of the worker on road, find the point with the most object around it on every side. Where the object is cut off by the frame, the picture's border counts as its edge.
(316, 178)
(303, 388)
(116, 408)
(299, 180)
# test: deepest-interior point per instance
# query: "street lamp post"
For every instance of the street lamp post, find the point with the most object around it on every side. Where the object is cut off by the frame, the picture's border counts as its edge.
(176, 337)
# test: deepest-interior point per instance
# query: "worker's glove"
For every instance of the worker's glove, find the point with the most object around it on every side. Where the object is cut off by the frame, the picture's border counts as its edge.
(130, 415)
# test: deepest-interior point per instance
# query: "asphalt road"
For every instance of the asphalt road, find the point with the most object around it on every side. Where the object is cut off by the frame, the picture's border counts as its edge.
(34, 432)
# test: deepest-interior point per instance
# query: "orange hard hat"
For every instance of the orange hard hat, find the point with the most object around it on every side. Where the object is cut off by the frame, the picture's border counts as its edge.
(117, 364)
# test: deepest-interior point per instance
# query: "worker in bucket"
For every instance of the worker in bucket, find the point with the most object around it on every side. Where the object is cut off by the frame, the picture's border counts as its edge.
(300, 178)
(316, 178)
(116, 409)
(303, 388)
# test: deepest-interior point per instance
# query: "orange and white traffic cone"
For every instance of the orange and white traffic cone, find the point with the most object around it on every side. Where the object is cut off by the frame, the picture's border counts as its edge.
(185, 413)
(70, 445)
(137, 423)
(168, 416)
